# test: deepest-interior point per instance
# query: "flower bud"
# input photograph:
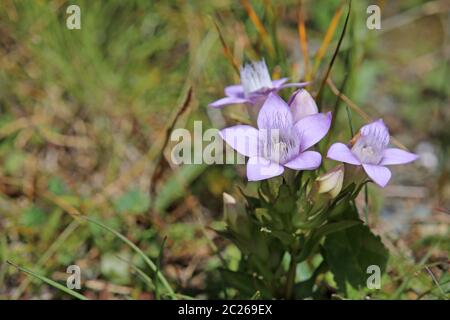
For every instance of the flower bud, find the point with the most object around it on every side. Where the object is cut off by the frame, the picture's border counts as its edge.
(331, 182)
(234, 212)
(229, 209)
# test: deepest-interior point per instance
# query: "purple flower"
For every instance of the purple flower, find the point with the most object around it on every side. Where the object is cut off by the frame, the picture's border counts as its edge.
(255, 86)
(370, 151)
(280, 139)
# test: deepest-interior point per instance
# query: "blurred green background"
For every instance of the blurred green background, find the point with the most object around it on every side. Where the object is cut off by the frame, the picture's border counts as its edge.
(85, 116)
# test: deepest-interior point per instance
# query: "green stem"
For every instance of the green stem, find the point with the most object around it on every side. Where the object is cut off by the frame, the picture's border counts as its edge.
(290, 280)
(289, 176)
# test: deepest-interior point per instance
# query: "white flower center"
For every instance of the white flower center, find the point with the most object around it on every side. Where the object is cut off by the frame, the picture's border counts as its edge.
(369, 148)
(255, 76)
(279, 146)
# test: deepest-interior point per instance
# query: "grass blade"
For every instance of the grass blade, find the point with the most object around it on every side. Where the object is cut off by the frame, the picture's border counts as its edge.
(226, 49)
(327, 39)
(46, 256)
(303, 43)
(357, 109)
(48, 281)
(158, 266)
(259, 26)
(336, 51)
(140, 273)
(157, 171)
(366, 204)
(350, 123)
(147, 260)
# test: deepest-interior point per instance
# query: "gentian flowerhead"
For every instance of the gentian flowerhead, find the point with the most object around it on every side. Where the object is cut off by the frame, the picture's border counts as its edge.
(279, 141)
(255, 86)
(370, 151)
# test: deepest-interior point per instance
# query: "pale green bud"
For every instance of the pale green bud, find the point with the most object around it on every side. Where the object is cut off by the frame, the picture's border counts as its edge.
(229, 209)
(331, 182)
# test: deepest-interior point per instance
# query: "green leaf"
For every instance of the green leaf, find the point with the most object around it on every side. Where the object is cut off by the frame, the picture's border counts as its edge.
(245, 283)
(305, 289)
(331, 227)
(252, 202)
(49, 282)
(349, 252)
(284, 209)
(314, 238)
(285, 202)
(272, 186)
(285, 237)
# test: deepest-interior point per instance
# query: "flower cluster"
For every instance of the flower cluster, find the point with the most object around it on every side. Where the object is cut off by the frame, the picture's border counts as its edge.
(304, 215)
(284, 133)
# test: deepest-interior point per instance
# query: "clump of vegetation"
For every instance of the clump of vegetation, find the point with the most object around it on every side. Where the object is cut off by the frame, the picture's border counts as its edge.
(87, 179)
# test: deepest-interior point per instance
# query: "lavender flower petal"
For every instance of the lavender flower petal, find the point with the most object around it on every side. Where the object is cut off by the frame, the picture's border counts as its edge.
(302, 105)
(393, 156)
(376, 130)
(259, 168)
(312, 129)
(236, 91)
(278, 83)
(295, 85)
(242, 138)
(340, 152)
(373, 139)
(308, 160)
(256, 84)
(227, 101)
(254, 77)
(379, 174)
(274, 114)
